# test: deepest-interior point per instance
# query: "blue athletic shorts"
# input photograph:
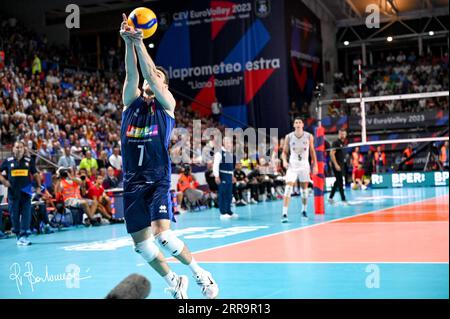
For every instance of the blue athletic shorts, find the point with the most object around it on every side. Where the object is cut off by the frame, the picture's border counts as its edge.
(145, 203)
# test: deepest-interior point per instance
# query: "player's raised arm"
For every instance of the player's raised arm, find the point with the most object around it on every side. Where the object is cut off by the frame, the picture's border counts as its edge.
(130, 87)
(155, 78)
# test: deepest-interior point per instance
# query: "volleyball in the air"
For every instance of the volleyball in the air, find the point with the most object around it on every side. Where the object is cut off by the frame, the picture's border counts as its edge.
(144, 19)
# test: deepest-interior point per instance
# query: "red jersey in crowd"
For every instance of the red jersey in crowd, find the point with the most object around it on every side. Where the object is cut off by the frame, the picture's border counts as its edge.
(95, 191)
(359, 173)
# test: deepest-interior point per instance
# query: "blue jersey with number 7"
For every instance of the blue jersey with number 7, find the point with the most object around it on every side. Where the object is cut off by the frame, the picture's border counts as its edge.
(145, 137)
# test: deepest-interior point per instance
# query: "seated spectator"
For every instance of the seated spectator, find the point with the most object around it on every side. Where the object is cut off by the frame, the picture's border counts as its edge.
(187, 186)
(412, 57)
(69, 189)
(77, 149)
(111, 181)
(96, 193)
(248, 163)
(240, 184)
(44, 151)
(40, 211)
(401, 57)
(116, 161)
(67, 161)
(209, 177)
(103, 161)
(211, 181)
(278, 177)
(358, 181)
(88, 162)
(266, 182)
(85, 182)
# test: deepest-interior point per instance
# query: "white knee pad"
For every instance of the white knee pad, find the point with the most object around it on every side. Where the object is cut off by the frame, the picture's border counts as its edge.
(288, 191)
(304, 193)
(147, 249)
(170, 242)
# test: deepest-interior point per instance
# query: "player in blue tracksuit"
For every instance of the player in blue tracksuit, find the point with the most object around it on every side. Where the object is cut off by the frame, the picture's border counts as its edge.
(147, 123)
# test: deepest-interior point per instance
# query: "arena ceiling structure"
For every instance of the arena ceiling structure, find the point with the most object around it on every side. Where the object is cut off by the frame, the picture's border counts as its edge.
(397, 16)
(401, 19)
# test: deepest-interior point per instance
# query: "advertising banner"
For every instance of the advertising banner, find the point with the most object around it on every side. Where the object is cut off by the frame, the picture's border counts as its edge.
(232, 51)
(410, 179)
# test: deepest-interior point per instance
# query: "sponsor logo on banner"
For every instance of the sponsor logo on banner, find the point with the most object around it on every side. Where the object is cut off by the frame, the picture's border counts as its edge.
(441, 178)
(163, 21)
(410, 179)
(399, 179)
(377, 179)
(262, 8)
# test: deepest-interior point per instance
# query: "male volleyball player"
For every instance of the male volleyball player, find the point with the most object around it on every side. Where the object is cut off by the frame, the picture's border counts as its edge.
(300, 145)
(147, 122)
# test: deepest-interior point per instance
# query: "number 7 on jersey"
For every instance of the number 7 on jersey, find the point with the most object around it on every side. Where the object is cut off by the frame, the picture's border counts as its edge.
(141, 154)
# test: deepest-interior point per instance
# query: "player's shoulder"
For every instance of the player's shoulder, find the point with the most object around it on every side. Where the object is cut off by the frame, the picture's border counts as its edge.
(136, 103)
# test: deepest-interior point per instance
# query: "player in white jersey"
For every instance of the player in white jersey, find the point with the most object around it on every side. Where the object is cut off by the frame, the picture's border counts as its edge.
(300, 147)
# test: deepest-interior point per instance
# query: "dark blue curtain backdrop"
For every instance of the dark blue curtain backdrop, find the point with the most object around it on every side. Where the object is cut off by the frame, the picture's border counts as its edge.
(235, 51)
(305, 52)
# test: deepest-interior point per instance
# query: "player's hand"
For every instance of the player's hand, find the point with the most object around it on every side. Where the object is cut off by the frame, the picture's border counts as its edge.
(217, 180)
(338, 168)
(125, 29)
(38, 191)
(137, 36)
(7, 184)
(285, 164)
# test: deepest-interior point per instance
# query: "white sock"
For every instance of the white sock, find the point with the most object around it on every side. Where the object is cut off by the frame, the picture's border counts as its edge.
(285, 210)
(171, 278)
(195, 267)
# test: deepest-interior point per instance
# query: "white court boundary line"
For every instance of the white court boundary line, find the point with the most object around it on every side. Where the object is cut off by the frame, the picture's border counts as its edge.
(315, 225)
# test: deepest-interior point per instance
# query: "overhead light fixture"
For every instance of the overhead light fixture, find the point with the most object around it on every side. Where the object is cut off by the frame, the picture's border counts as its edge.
(431, 33)
(389, 39)
(346, 43)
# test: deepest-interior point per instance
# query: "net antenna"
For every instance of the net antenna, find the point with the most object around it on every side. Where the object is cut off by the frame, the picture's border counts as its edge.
(362, 104)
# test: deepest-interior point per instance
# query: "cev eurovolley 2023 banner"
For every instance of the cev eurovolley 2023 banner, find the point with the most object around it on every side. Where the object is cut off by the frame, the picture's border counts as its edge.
(235, 51)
